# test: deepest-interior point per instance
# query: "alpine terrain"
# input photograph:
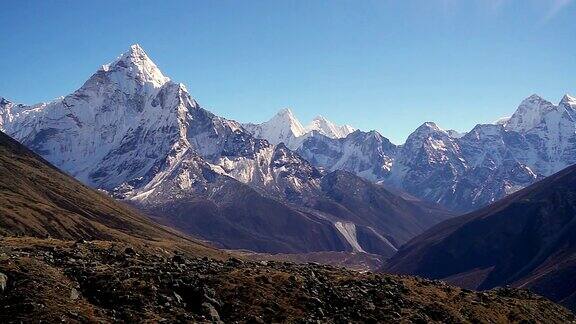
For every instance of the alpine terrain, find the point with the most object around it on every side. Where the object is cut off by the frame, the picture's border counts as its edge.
(462, 172)
(134, 133)
(71, 254)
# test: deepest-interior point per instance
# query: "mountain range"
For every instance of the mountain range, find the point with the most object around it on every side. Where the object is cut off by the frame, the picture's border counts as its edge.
(460, 171)
(134, 133)
(285, 128)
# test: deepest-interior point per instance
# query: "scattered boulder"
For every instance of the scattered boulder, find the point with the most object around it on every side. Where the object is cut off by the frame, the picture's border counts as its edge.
(129, 251)
(178, 259)
(3, 282)
(74, 294)
(178, 298)
(148, 287)
(211, 312)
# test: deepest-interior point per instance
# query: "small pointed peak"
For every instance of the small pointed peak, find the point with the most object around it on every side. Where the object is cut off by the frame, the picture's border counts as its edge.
(285, 120)
(328, 128)
(136, 48)
(321, 124)
(375, 134)
(534, 97)
(422, 133)
(569, 103)
(428, 128)
(529, 114)
(535, 101)
(135, 55)
(429, 125)
(285, 112)
(486, 129)
(568, 99)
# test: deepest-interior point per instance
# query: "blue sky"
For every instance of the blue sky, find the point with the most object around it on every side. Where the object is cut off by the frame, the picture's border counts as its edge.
(384, 65)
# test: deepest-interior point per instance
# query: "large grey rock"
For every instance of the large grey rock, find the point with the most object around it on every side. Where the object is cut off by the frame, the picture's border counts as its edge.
(3, 282)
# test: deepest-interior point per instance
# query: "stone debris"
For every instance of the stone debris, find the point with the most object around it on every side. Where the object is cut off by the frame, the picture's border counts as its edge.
(125, 284)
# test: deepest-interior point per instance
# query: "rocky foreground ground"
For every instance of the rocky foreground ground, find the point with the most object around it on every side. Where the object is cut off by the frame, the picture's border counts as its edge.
(54, 281)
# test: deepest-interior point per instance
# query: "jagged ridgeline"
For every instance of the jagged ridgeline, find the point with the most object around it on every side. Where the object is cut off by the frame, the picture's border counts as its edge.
(461, 171)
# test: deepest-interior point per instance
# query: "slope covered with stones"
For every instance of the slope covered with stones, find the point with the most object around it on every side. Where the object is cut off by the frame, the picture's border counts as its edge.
(102, 282)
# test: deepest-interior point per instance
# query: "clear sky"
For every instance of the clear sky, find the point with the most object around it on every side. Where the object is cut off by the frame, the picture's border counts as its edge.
(384, 65)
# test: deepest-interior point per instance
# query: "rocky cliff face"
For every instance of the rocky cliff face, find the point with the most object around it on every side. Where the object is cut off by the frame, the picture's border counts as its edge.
(367, 154)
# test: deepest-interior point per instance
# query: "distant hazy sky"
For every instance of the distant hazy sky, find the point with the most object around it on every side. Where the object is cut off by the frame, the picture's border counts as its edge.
(384, 65)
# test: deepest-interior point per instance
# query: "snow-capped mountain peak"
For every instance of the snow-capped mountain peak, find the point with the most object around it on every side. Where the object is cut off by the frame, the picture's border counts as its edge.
(568, 101)
(286, 117)
(136, 64)
(93, 130)
(428, 135)
(284, 127)
(427, 127)
(328, 128)
(529, 114)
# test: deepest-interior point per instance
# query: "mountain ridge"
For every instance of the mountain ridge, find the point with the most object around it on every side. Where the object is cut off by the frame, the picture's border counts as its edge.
(466, 171)
(285, 128)
(436, 165)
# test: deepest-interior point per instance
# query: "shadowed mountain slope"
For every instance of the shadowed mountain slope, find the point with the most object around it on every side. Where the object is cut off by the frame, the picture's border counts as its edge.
(526, 240)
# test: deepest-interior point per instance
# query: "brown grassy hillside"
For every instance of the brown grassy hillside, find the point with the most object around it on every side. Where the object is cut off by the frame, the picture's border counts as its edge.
(38, 200)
